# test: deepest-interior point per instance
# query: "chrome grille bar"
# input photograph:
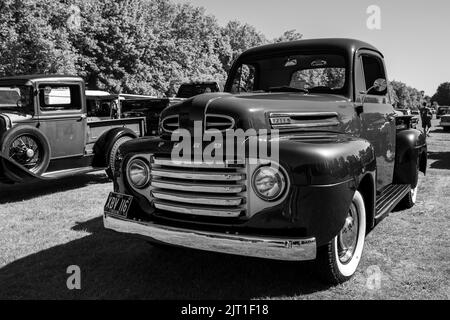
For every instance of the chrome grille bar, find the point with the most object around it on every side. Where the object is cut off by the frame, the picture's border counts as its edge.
(206, 200)
(189, 175)
(194, 210)
(193, 164)
(195, 187)
(215, 189)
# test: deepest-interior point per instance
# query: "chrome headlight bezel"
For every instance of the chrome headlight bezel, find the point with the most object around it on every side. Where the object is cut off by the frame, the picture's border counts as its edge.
(278, 174)
(133, 179)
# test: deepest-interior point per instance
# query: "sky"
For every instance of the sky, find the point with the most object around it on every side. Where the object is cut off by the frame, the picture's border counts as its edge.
(413, 35)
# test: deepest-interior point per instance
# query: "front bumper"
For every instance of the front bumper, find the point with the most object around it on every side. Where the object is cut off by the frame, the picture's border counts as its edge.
(286, 249)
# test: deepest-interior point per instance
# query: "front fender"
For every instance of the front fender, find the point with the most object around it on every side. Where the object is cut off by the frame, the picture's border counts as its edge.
(12, 172)
(324, 172)
(105, 143)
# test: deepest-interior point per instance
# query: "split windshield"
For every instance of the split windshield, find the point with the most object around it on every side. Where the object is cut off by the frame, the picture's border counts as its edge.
(16, 97)
(314, 73)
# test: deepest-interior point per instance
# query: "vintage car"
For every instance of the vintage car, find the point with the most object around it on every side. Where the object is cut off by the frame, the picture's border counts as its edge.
(344, 161)
(50, 128)
(441, 110)
(445, 121)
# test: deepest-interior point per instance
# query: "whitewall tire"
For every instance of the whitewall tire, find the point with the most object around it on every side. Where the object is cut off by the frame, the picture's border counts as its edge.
(339, 259)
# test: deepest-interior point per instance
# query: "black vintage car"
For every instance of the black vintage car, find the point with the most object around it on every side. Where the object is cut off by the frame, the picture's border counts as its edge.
(345, 159)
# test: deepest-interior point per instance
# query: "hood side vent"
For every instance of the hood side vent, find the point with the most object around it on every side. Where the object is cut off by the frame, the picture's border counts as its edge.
(297, 120)
(170, 123)
(219, 122)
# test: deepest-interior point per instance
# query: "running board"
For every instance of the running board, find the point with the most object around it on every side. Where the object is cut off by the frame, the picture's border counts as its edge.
(389, 198)
(69, 172)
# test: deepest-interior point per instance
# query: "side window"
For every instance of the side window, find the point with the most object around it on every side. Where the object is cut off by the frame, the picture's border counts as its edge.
(59, 97)
(373, 70)
(244, 81)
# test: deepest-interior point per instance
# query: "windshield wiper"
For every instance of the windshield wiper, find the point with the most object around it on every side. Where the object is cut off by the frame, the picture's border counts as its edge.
(287, 89)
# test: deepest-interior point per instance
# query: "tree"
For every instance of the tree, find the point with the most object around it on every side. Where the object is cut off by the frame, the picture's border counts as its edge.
(289, 35)
(405, 96)
(240, 36)
(29, 43)
(442, 95)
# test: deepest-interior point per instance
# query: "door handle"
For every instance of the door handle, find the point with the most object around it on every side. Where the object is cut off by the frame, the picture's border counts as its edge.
(82, 117)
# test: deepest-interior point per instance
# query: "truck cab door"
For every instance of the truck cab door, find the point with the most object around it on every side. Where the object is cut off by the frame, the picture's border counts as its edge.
(62, 118)
(376, 113)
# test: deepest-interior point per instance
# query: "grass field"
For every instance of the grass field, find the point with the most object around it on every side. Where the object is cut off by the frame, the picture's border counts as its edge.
(46, 227)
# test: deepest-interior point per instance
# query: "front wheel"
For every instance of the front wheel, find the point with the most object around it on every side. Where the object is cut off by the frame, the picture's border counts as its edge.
(112, 155)
(338, 260)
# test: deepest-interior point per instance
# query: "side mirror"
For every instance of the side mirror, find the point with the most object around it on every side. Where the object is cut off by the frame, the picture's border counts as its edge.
(379, 85)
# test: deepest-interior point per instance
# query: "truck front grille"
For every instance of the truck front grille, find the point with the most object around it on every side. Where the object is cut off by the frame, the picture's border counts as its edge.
(202, 189)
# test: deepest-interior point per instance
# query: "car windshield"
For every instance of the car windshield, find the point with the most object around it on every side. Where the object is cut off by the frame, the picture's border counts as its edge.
(303, 73)
(190, 90)
(16, 97)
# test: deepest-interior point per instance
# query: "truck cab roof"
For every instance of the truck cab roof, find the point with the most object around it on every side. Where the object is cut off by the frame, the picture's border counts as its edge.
(343, 44)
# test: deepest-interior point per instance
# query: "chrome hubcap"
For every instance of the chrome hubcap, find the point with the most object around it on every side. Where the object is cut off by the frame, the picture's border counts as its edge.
(348, 236)
(30, 153)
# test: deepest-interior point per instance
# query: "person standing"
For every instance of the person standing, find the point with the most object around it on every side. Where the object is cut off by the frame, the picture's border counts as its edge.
(426, 115)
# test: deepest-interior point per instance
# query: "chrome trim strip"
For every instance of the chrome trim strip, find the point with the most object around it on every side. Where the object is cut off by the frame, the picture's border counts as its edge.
(207, 124)
(193, 164)
(210, 176)
(209, 188)
(304, 114)
(286, 249)
(197, 211)
(305, 125)
(186, 198)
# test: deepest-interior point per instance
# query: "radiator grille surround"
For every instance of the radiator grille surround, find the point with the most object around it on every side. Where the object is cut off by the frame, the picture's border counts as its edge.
(201, 189)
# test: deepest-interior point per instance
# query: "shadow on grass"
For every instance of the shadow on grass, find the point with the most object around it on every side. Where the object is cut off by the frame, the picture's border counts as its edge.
(442, 160)
(25, 191)
(114, 266)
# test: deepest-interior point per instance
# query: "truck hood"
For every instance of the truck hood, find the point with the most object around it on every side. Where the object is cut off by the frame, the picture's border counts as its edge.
(252, 110)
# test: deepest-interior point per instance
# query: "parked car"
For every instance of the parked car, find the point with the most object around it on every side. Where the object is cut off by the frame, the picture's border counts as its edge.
(190, 89)
(50, 129)
(345, 160)
(445, 121)
(441, 111)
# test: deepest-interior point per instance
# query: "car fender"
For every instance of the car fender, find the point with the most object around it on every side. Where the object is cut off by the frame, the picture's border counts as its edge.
(411, 150)
(324, 171)
(105, 143)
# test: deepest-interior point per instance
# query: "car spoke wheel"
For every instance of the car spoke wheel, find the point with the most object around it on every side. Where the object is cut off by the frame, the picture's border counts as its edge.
(338, 260)
(27, 151)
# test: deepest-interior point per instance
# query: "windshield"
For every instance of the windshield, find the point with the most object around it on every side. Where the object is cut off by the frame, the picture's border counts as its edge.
(190, 90)
(15, 97)
(314, 73)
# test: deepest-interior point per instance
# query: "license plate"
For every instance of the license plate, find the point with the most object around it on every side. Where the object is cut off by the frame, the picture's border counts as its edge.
(118, 204)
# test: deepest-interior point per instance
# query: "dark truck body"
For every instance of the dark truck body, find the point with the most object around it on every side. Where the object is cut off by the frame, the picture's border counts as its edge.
(337, 145)
(58, 132)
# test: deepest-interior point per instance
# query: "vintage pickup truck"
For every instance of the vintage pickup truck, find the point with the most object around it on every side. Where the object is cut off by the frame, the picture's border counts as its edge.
(345, 159)
(51, 127)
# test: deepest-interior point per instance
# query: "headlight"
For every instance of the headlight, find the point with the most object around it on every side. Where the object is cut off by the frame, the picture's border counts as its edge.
(269, 183)
(138, 173)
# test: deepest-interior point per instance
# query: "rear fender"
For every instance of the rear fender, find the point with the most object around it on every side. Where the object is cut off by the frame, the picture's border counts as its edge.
(411, 152)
